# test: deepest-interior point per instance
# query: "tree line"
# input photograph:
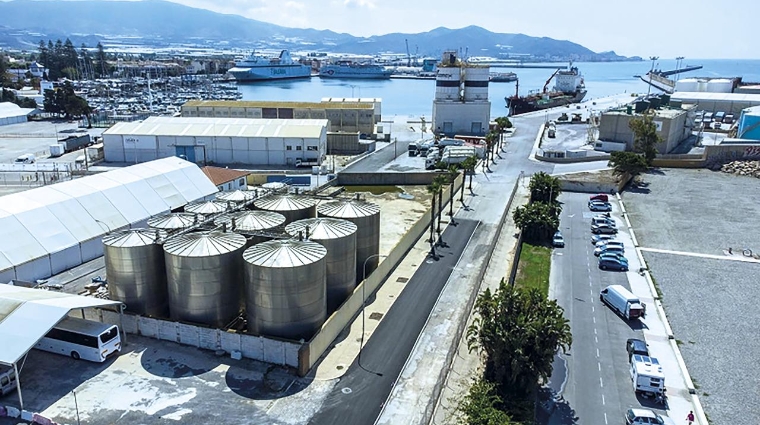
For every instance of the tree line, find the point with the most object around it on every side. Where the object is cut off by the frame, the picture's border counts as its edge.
(62, 59)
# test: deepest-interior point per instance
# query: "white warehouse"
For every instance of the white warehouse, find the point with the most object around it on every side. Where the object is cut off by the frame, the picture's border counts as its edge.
(245, 141)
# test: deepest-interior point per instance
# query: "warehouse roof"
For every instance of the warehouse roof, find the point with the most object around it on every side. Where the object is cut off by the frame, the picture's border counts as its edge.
(27, 314)
(10, 109)
(40, 222)
(705, 96)
(220, 127)
(271, 104)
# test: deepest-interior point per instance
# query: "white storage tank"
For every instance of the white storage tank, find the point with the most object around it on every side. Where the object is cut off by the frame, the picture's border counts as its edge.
(174, 221)
(448, 83)
(204, 274)
(702, 86)
(339, 237)
(293, 207)
(720, 85)
(687, 85)
(237, 196)
(285, 288)
(209, 207)
(476, 83)
(252, 224)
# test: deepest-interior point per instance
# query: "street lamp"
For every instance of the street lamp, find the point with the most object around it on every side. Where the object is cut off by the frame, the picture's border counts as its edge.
(679, 63)
(352, 89)
(364, 304)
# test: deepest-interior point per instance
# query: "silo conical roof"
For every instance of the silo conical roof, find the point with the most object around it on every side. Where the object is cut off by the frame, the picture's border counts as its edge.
(322, 228)
(133, 238)
(236, 195)
(251, 221)
(173, 221)
(204, 244)
(284, 203)
(284, 253)
(206, 207)
(349, 208)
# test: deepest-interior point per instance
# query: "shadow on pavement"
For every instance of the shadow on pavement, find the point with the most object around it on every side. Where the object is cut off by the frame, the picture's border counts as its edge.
(553, 410)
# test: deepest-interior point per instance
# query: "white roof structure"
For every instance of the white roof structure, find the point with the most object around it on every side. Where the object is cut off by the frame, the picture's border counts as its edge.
(53, 228)
(705, 96)
(11, 110)
(220, 127)
(27, 314)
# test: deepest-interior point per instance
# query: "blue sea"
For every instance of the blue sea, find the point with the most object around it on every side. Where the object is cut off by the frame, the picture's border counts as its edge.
(415, 97)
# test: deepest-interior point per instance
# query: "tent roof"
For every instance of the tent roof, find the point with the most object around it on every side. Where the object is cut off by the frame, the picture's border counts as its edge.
(27, 314)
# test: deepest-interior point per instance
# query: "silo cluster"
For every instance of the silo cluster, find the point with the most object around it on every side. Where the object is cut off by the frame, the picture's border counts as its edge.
(285, 267)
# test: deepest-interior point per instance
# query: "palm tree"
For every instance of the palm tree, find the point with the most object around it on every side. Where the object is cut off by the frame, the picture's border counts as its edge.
(469, 167)
(503, 123)
(491, 138)
(432, 189)
(453, 172)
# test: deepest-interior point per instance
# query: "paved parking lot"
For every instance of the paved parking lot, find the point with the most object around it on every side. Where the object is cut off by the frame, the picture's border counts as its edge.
(709, 299)
(158, 382)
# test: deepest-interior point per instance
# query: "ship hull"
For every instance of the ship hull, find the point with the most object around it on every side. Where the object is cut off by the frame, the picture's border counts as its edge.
(522, 105)
(354, 73)
(266, 73)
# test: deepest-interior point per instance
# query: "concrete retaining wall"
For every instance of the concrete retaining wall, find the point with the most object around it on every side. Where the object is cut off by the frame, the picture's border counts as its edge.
(254, 347)
(311, 352)
(570, 185)
(374, 178)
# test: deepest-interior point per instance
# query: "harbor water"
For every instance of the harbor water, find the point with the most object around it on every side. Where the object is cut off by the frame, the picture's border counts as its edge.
(415, 97)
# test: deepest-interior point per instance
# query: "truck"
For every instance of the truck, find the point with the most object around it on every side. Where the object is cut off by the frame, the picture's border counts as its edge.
(646, 375)
(7, 380)
(622, 302)
(452, 155)
(75, 142)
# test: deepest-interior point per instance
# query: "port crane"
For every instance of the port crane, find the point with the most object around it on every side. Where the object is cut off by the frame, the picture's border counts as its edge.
(408, 55)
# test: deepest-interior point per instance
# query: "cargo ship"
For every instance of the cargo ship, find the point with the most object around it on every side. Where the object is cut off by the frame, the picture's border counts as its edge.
(354, 70)
(568, 89)
(260, 68)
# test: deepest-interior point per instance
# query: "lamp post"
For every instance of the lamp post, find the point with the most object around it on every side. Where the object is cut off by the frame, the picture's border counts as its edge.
(364, 304)
(352, 89)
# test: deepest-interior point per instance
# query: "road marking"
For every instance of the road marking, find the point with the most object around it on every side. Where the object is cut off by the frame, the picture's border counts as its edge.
(596, 338)
(599, 365)
(595, 331)
(594, 319)
(603, 402)
(601, 383)
(695, 254)
(597, 355)
(592, 308)
(605, 418)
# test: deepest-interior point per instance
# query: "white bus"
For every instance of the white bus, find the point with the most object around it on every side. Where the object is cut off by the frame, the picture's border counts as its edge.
(82, 339)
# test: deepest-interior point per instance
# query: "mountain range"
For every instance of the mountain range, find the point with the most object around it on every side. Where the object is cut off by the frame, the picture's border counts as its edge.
(157, 23)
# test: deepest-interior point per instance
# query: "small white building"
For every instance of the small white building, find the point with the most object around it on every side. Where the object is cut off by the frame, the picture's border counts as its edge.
(245, 141)
(227, 179)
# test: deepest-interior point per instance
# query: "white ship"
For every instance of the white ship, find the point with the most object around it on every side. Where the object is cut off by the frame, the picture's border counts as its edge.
(258, 68)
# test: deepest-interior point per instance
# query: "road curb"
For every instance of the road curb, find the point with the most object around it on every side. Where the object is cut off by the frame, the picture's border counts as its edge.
(699, 411)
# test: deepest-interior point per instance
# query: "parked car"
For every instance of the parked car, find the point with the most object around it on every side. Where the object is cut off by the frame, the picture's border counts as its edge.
(604, 214)
(646, 417)
(599, 206)
(558, 240)
(598, 238)
(618, 249)
(600, 197)
(27, 158)
(636, 346)
(602, 244)
(614, 255)
(603, 228)
(611, 263)
(604, 220)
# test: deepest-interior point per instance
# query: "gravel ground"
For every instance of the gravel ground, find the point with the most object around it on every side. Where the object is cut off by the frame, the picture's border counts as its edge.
(696, 211)
(712, 307)
(710, 303)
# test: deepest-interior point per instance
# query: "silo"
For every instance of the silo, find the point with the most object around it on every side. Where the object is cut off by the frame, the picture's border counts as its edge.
(448, 83)
(476, 83)
(174, 221)
(366, 217)
(248, 222)
(209, 207)
(135, 270)
(687, 85)
(293, 207)
(276, 187)
(285, 287)
(204, 275)
(339, 237)
(720, 85)
(237, 196)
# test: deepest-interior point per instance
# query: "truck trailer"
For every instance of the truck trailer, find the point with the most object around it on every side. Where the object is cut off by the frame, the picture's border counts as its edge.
(74, 142)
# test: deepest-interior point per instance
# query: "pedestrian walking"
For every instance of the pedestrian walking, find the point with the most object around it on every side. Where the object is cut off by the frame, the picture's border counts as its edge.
(690, 417)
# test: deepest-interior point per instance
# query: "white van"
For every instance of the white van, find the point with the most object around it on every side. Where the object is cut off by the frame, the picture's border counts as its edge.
(26, 159)
(647, 375)
(7, 380)
(622, 302)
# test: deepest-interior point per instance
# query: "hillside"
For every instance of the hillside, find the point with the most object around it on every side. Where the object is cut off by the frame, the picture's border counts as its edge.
(159, 23)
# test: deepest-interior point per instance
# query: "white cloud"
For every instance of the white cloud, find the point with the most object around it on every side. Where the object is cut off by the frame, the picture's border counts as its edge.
(369, 4)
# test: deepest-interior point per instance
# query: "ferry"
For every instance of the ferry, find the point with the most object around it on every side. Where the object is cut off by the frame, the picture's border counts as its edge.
(354, 70)
(259, 68)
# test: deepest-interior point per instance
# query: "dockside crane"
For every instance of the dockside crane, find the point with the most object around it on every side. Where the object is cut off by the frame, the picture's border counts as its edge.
(408, 55)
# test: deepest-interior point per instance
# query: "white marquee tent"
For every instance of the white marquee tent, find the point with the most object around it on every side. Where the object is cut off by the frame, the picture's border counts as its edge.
(53, 228)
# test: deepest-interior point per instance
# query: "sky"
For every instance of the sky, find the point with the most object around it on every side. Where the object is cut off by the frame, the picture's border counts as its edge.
(665, 28)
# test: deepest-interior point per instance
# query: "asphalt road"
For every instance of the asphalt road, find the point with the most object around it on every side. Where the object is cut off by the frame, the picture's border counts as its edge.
(357, 399)
(593, 377)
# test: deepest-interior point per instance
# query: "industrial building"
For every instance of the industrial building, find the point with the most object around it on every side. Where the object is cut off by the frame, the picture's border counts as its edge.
(53, 228)
(730, 103)
(10, 113)
(461, 104)
(674, 124)
(244, 141)
(226, 179)
(749, 124)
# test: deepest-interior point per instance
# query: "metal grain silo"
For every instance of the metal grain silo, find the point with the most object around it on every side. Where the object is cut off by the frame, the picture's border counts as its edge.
(339, 237)
(251, 222)
(276, 187)
(135, 270)
(204, 275)
(366, 217)
(237, 196)
(174, 221)
(209, 207)
(285, 287)
(293, 207)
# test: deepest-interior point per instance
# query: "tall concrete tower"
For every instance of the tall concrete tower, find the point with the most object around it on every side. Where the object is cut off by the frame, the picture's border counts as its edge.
(461, 103)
